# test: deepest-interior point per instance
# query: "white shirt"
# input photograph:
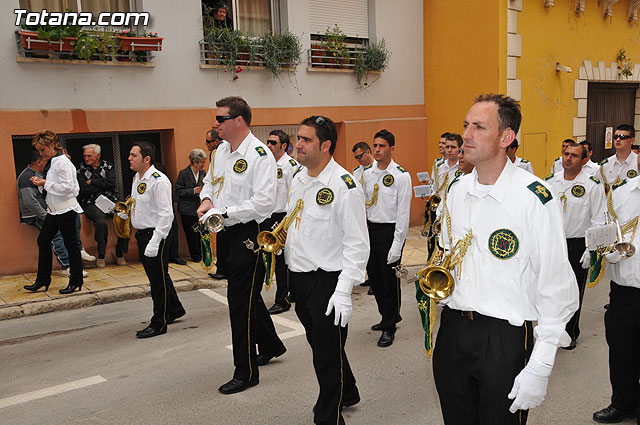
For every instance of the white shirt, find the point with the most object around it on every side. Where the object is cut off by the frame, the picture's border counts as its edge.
(285, 167)
(394, 198)
(332, 232)
(626, 204)
(612, 169)
(153, 207)
(445, 175)
(359, 170)
(557, 166)
(532, 280)
(435, 165)
(62, 186)
(585, 202)
(524, 164)
(591, 168)
(248, 189)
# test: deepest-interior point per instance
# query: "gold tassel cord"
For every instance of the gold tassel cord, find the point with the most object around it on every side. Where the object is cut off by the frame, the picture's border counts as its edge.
(563, 198)
(374, 197)
(218, 180)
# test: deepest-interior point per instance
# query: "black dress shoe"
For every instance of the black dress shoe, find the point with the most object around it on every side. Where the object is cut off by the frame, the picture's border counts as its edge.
(571, 346)
(612, 415)
(237, 385)
(172, 319)
(386, 339)
(178, 261)
(149, 332)
(217, 276)
(71, 287)
(351, 401)
(263, 359)
(37, 286)
(277, 309)
(365, 283)
(370, 291)
(377, 327)
(606, 306)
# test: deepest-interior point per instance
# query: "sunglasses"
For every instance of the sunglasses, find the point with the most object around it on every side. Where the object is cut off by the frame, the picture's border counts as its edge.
(223, 118)
(211, 141)
(622, 136)
(272, 142)
(359, 157)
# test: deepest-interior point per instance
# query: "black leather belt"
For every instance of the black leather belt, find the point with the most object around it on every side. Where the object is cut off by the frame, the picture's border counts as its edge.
(474, 315)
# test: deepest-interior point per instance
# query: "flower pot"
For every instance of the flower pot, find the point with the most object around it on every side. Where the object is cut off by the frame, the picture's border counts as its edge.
(317, 53)
(140, 43)
(30, 41)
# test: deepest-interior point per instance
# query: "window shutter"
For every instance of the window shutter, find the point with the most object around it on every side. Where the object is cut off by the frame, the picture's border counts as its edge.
(352, 16)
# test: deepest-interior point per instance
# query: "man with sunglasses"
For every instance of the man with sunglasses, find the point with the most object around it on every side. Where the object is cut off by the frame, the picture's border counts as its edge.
(213, 140)
(241, 187)
(278, 144)
(624, 163)
(362, 154)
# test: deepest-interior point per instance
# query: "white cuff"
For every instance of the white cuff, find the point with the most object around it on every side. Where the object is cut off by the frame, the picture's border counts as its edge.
(344, 286)
(544, 353)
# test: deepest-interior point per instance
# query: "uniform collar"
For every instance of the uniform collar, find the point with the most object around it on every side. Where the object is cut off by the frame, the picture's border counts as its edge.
(500, 187)
(390, 167)
(284, 158)
(148, 173)
(631, 159)
(244, 146)
(325, 175)
(581, 177)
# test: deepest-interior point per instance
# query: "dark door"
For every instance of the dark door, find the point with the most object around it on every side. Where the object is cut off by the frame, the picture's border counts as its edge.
(609, 105)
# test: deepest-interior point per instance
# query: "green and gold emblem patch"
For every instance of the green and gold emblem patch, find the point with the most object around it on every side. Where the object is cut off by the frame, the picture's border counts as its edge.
(540, 191)
(324, 196)
(141, 188)
(279, 173)
(503, 244)
(459, 173)
(240, 166)
(387, 180)
(577, 191)
(632, 173)
(348, 181)
(261, 151)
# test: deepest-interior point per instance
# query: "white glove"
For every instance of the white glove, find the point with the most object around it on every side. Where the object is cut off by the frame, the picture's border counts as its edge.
(613, 257)
(530, 386)
(123, 215)
(209, 213)
(394, 254)
(341, 301)
(585, 260)
(153, 246)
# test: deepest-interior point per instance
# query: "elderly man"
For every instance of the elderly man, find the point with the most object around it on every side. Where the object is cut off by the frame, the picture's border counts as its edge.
(98, 177)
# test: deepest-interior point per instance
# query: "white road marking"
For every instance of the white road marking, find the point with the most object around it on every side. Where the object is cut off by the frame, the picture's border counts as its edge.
(297, 328)
(46, 392)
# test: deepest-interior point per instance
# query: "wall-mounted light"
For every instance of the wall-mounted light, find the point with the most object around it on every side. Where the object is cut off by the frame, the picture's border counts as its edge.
(562, 68)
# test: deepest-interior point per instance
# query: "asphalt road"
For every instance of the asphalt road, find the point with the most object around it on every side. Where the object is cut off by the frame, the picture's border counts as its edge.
(86, 367)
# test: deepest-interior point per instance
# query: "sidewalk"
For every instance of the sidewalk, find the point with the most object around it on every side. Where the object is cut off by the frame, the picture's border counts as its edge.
(117, 283)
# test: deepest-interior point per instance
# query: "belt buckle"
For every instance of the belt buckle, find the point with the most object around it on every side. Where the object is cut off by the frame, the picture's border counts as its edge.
(467, 314)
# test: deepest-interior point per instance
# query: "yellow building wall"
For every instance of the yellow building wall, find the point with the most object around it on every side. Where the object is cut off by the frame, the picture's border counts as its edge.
(465, 54)
(558, 34)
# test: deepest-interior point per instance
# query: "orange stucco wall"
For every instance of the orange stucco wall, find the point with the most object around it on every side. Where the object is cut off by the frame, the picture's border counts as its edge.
(182, 130)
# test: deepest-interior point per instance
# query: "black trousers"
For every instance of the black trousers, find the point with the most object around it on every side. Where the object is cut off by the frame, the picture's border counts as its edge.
(101, 233)
(474, 365)
(66, 224)
(385, 284)
(166, 304)
(622, 327)
(221, 253)
(282, 272)
(193, 237)
(576, 247)
(172, 241)
(250, 320)
(312, 291)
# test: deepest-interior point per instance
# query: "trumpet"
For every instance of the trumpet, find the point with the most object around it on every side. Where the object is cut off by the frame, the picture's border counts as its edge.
(123, 225)
(214, 223)
(625, 249)
(273, 241)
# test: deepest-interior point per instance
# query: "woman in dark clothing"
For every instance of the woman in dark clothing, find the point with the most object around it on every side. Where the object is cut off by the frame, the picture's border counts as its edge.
(188, 187)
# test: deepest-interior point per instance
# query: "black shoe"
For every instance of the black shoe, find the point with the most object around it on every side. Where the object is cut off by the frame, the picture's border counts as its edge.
(351, 401)
(570, 346)
(277, 309)
(196, 260)
(37, 286)
(237, 385)
(71, 287)
(149, 332)
(612, 415)
(386, 339)
(172, 319)
(370, 291)
(606, 307)
(264, 359)
(217, 276)
(377, 327)
(365, 283)
(178, 261)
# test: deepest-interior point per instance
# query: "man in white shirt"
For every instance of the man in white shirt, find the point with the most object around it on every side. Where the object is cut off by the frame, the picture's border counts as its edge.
(590, 167)
(387, 189)
(441, 158)
(622, 318)
(556, 167)
(522, 163)
(510, 269)
(241, 186)
(362, 154)
(213, 140)
(624, 163)
(152, 216)
(278, 143)
(326, 250)
(583, 206)
(446, 171)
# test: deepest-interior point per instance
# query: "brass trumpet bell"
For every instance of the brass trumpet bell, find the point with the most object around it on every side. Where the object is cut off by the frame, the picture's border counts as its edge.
(434, 201)
(626, 249)
(272, 241)
(436, 282)
(214, 223)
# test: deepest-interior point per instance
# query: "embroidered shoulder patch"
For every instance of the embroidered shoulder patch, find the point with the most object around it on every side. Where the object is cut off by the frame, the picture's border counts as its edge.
(240, 166)
(279, 173)
(401, 168)
(156, 175)
(261, 151)
(452, 182)
(297, 171)
(141, 188)
(324, 196)
(293, 162)
(595, 180)
(348, 181)
(618, 184)
(387, 180)
(368, 166)
(526, 161)
(459, 173)
(540, 191)
(354, 170)
(548, 177)
(604, 161)
(503, 244)
(632, 173)
(578, 191)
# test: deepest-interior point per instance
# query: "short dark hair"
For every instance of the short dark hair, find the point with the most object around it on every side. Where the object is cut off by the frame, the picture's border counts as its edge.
(627, 127)
(455, 137)
(514, 144)
(363, 146)
(386, 135)
(444, 135)
(34, 156)
(587, 144)
(509, 115)
(635, 146)
(146, 149)
(568, 141)
(581, 146)
(284, 137)
(213, 133)
(237, 106)
(325, 129)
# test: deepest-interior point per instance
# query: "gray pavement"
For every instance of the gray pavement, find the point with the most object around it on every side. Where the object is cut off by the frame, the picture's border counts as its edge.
(173, 378)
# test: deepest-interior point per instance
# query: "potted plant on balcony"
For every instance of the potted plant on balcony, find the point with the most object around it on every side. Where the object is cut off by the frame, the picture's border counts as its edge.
(335, 46)
(373, 58)
(148, 41)
(44, 37)
(281, 51)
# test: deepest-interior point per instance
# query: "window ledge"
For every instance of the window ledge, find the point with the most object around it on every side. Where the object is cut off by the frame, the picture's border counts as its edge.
(244, 67)
(22, 59)
(339, 70)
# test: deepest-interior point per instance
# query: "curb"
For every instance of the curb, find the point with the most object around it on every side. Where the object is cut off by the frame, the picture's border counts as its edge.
(105, 296)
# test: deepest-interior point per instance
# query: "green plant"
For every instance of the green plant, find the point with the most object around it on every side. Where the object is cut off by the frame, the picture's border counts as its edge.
(107, 46)
(85, 46)
(225, 44)
(281, 51)
(334, 42)
(624, 63)
(373, 58)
